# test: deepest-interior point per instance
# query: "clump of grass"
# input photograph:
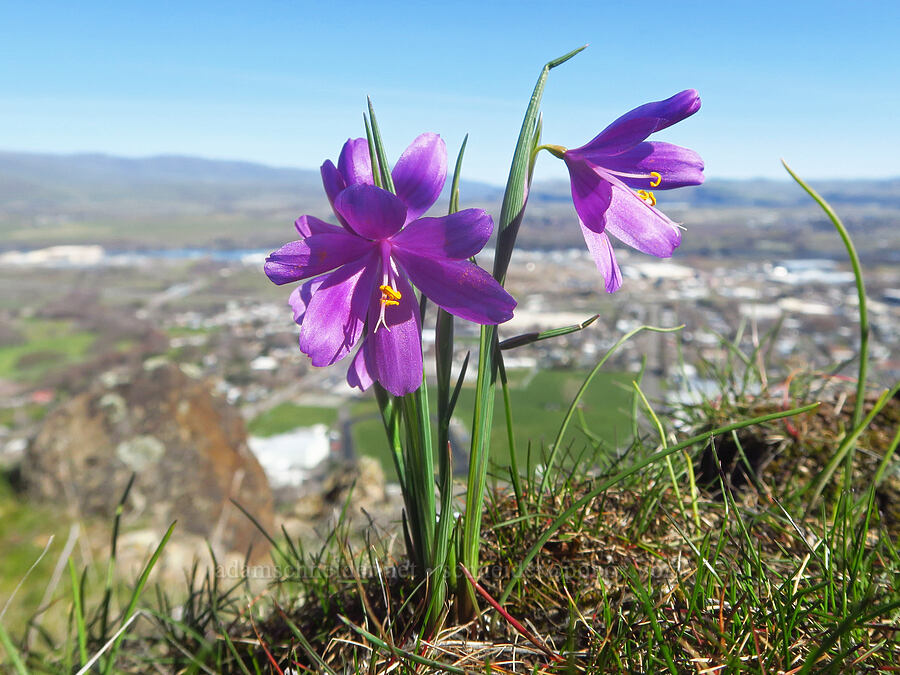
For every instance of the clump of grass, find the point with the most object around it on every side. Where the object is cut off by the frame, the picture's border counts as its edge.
(630, 573)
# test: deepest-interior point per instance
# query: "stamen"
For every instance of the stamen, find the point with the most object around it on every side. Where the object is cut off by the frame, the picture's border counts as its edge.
(647, 196)
(654, 176)
(389, 296)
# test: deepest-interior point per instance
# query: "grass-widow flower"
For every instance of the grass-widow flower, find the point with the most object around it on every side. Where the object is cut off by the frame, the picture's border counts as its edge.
(614, 175)
(361, 273)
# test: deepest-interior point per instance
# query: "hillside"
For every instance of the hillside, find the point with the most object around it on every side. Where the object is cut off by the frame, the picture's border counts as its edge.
(174, 201)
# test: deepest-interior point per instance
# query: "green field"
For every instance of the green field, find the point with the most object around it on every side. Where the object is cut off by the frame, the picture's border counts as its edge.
(286, 416)
(25, 530)
(540, 402)
(46, 345)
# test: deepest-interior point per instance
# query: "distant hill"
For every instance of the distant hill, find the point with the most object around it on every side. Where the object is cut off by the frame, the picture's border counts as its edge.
(171, 201)
(759, 192)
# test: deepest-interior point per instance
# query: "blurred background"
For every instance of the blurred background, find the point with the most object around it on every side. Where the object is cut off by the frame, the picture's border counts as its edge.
(151, 154)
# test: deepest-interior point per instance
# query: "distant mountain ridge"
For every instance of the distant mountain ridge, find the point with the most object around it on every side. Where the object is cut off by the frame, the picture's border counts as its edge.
(173, 201)
(99, 173)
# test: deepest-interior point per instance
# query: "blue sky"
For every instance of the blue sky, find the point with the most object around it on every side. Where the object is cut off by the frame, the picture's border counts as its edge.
(284, 83)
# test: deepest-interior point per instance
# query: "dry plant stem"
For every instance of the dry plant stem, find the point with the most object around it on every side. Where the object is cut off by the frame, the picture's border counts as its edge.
(27, 574)
(512, 621)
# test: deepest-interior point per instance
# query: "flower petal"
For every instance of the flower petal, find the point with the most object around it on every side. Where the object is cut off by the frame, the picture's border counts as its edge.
(310, 225)
(355, 162)
(336, 314)
(358, 374)
(636, 223)
(332, 180)
(457, 236)
(394, 350)
(459, 286)
(635, 125)
(420, 173)
(300, 297)
(591, 193)
(314, 255)
(373, 213)
(601, 251)
(280, 273)
(676, 166)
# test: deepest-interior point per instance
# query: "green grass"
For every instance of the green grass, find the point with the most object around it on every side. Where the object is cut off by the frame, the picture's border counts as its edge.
(32, 412)
(24, 532)
(287, 416)
(539, 403)
(47, 345)
(655, 583)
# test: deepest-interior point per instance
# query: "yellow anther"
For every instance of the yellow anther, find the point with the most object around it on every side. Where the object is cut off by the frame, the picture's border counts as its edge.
(656, 179)
(389, 296)
(647, 196)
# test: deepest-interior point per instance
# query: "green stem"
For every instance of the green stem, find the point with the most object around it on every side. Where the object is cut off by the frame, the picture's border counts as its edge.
(444, 333)
(514, 200)
(860, 291)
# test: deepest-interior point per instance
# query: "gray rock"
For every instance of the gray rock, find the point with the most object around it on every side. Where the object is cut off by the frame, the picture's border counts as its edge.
(187, 447)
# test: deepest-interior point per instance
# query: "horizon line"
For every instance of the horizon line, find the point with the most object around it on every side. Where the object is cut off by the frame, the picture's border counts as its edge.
(288, 167)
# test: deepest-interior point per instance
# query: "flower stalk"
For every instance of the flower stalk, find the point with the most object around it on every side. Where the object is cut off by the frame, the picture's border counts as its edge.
(368, 279)
(514, 200)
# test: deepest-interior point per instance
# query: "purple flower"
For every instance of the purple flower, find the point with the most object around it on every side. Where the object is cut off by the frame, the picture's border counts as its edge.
(612, 177)
(361, 272)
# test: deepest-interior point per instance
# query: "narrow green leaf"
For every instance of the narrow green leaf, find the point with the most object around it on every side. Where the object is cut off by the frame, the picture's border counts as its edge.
(557, 444)
(860, 617)
(373, 156)
(444, 338)
(78, 613)
(459, 384)
(307, 647)
(511, 439)
(390, 416)
(847, 445)
(387, 182)
(529, 338)
(261, 529)
(111, 565)
(860, 292)
(136, 594)
(26, 575)
(12, 652)
(511, 212)
(516, 189)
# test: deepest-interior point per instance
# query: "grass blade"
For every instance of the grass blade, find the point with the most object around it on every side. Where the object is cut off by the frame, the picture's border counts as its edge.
(554, 449)
(529, 338)
(605, 485)
(12, 652)
(401, 653)
(860, 291)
